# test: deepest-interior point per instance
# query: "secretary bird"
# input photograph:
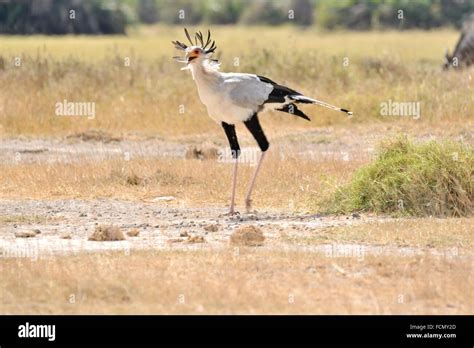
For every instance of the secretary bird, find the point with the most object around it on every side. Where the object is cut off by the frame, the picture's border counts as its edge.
(231, 98)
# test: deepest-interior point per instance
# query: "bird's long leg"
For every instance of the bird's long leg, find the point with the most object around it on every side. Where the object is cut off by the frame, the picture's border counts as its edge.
(235, 148)
(253, 125)
(248, 200)
(234, 185)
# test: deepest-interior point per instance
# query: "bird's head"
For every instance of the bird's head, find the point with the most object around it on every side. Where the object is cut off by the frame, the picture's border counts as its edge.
(198, 51)
(194, 52)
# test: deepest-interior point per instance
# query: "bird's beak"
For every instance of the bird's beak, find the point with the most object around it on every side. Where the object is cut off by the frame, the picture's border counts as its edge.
(190, 59)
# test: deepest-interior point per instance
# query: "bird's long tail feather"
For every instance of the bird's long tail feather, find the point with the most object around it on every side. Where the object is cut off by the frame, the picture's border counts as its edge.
(303, 99)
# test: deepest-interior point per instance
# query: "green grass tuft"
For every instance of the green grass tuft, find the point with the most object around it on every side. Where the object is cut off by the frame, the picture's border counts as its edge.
(432, 178)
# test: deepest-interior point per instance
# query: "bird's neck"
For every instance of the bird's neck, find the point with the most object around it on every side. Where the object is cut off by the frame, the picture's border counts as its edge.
(204, 74)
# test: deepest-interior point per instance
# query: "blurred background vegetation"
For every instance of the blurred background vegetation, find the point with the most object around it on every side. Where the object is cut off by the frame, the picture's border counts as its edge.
(113, 16)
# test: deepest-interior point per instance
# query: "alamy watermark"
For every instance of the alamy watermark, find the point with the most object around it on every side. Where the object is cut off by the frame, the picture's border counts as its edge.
(69, 108)
(402, 109)
(18, 251)
(28, 330)
(345, 251)
(248, 155)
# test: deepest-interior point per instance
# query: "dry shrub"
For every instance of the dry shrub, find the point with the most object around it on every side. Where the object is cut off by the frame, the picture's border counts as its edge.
(133, 179)
(247, 236)
(25, 234)
(104, 233)
(94, 135)
(127, 177)
(195, 239)
(202, 153)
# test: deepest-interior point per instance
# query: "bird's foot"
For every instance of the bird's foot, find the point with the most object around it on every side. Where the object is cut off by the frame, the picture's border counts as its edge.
(231, 213)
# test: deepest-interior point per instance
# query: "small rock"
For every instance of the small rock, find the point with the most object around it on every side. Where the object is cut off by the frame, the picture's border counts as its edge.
(104, 233)
(134, 232)
(66, 235)
(247, 236)
(184, 234)
(211, 228)
(37, 231)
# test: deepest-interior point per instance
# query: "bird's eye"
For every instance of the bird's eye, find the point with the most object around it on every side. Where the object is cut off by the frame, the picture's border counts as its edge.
(196, 51)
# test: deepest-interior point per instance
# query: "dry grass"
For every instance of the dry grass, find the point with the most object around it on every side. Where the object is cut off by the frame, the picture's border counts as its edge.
(25, 219)
(145, 97)
(420, 232)
(192, 182)
(251, 281)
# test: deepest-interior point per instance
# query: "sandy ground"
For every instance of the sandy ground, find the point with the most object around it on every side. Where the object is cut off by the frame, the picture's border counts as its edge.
(160, 225)
(65, 226)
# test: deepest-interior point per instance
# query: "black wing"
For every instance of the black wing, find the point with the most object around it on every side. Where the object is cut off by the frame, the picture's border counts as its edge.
(279, 94)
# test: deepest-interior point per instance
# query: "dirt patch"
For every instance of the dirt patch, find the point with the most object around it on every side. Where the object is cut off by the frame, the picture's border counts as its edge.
(94, 135)
(104, 233)
(247, 236)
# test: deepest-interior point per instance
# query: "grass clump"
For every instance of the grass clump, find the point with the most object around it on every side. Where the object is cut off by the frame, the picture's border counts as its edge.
(428, 179)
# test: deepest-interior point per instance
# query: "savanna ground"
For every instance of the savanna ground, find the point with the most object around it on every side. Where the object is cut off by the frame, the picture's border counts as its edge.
(128, 167)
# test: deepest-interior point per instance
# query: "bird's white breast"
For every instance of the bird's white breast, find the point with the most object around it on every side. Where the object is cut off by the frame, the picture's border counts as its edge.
(230, 98)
